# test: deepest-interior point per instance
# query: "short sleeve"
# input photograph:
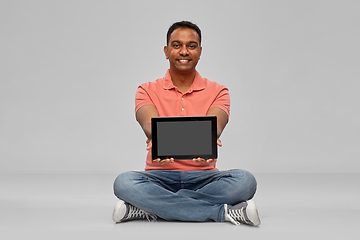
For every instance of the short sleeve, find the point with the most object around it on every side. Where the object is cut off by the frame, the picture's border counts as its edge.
(222, 101)
(142, 98)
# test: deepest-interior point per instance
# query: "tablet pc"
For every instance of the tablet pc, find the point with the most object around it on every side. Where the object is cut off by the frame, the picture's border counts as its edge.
(184, 137)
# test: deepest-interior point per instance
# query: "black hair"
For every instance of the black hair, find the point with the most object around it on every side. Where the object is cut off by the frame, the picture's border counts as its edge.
(183, 24)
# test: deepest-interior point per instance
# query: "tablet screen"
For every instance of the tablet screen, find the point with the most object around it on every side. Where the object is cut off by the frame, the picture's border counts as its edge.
(184, 137)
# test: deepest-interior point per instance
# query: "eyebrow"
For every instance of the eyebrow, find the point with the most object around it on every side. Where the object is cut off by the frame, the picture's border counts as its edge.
(177, 41)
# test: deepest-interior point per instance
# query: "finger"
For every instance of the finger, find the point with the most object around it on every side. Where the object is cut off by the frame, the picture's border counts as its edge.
(199, 159)
(219, 142)
(166, 161)
(156, 160)
(210, 160)
(170, 160)
(149, 145)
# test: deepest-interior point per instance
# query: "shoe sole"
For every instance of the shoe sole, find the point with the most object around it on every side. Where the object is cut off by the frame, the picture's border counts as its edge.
(252, 213)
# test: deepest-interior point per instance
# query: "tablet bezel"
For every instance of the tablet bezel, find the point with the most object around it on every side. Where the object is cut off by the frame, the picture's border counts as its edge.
(213, 121)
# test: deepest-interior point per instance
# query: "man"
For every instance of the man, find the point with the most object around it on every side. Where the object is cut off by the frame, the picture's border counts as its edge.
(187, 190)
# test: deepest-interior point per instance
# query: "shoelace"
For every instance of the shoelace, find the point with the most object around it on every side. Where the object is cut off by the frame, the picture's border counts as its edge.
(136, 213)
(234, 215)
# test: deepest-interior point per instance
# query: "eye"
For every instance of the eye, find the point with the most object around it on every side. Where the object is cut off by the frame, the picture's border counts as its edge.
(176, 45)
(192, 46)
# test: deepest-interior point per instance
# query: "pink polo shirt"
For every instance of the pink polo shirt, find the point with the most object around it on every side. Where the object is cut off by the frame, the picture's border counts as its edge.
(169, 101)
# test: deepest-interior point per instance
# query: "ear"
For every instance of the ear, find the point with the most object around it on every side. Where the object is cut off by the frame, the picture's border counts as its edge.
(200, 52)
(165, 51)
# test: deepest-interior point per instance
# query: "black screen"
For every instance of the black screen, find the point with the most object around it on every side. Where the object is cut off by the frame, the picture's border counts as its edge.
(184, 138)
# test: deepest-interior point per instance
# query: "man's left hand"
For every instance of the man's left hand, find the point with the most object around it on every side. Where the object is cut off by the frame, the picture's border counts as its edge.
(218, 142)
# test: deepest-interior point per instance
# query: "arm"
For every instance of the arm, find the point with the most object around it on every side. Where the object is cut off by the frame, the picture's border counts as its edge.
(144, 115)
(222, 118)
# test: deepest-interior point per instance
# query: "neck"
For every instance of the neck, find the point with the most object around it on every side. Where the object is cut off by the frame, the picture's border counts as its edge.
(182, 81)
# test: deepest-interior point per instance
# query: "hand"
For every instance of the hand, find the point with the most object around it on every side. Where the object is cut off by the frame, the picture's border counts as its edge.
(218, 142)
(158, 160)
(163, 161)
(201, 160)
(148, 144)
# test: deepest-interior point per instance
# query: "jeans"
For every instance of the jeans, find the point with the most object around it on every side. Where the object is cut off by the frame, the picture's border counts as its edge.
(185, 195)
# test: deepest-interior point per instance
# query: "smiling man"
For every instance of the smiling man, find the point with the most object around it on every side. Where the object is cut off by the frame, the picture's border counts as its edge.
(186, 190)
(183, 52)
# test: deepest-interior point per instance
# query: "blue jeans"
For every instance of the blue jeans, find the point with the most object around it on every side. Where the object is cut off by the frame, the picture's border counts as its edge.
(185, 195)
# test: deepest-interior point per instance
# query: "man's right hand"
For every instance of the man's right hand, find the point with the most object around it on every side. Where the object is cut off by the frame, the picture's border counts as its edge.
(158, 160)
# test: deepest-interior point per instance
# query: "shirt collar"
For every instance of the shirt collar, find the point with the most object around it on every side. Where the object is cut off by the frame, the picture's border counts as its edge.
(198, 84)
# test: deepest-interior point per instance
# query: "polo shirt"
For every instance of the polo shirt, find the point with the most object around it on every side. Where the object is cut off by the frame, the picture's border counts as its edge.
(170, 102)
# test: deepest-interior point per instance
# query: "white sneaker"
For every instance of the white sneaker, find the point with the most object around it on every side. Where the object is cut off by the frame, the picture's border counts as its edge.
(244, 212)
(124, 211)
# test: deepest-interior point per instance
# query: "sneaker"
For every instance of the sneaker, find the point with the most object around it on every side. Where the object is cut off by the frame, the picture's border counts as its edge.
(124, 211)
(244, 212)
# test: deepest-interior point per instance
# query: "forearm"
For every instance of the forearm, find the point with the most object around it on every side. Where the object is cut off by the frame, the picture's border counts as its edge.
(147, 130)
(144, 115)
(222, 119)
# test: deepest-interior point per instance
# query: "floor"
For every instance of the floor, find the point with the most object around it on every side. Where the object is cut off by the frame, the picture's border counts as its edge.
(73, 206)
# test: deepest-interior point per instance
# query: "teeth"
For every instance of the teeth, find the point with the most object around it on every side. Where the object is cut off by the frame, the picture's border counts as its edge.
(183, 60)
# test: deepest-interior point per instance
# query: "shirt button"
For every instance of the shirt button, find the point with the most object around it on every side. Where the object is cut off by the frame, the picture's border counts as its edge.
(182, 109)
(182, 98)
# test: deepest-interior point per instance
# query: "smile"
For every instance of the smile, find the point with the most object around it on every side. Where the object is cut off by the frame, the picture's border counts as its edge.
(184, 60)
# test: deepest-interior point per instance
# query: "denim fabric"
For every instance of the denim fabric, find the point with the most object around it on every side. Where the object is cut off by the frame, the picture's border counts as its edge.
(185, 195)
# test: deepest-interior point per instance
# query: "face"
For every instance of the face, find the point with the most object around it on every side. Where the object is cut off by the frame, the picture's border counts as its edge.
(183, 50)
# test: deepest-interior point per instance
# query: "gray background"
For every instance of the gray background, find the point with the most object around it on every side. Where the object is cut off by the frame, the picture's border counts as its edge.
(69, 71)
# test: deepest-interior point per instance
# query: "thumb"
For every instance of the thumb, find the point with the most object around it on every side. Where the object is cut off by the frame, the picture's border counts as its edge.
(149, 145)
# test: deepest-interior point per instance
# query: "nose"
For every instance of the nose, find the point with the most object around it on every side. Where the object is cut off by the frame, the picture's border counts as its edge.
(184, 50)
